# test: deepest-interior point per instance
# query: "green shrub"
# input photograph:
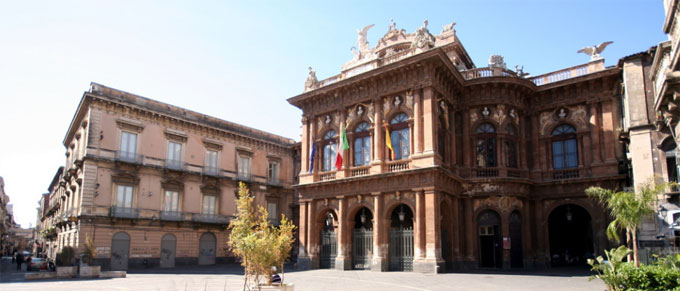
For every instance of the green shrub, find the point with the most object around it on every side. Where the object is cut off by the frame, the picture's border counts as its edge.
(65, 257)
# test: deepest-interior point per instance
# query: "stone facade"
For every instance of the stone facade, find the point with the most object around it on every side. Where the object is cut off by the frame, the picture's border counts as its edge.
(154, 184)
(665, 74)
(491, 166)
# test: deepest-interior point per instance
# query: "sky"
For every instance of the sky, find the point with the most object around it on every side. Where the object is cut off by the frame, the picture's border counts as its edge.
(240, 60)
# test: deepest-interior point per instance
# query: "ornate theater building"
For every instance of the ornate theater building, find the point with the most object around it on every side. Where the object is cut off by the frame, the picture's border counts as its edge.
(447, 166)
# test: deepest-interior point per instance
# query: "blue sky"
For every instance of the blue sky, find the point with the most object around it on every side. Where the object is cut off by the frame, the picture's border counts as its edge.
(241, 60)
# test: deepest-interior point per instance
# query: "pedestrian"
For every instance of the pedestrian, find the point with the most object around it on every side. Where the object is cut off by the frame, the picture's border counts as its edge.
(28, 263)
(20, 260)
(276, 279)
(14, 257)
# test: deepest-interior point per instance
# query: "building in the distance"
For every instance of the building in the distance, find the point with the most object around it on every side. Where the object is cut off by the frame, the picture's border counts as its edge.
(450, 166)
(154, 184)
(6, 222)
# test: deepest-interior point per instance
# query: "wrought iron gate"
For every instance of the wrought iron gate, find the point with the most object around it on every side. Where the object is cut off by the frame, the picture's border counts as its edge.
(401, 249)
(362, 248)
(329, 249)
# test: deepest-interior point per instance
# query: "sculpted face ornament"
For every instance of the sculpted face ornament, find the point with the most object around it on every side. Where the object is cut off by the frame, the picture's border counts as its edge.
(513, 114)
(442, 105)
(397, 101)
(562, 113)
(327, 120)
(360, 110)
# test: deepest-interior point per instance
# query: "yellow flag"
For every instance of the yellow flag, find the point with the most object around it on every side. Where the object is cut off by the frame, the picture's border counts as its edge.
(388, 141)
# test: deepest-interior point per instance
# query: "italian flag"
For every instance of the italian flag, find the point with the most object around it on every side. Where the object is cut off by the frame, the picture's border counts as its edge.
(344, 145)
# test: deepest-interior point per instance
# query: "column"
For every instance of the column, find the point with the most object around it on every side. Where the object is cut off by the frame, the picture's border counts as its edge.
(345, 162)
(306, 146)
(466, 138)
(378, 139)
(380, 245)
(312, 236)
(429, 127)
(541, 236)
(342, 261)
(419, 226)
(304, 262)
(417, 123)
(433, 262)
(457, 232)
(607, 131)
(470, 233)
(595, 132)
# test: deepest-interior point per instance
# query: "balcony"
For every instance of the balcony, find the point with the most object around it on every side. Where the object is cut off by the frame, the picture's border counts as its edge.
(487, 72)
(274, 181)
(172, 215)
(211, 171)
(175, 165)
(359, 171)
(210, 218)
(124, 212)
(565, 174)
(396, 166)
(128, 157)
(243, 176)
(486, 173)
(327, 176)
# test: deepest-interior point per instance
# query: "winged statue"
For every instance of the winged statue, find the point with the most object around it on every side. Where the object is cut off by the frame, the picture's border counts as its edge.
(595, 50)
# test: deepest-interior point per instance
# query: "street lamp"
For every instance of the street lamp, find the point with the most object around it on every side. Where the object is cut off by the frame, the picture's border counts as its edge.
(569, 215)
(362, 216)
(401, 213)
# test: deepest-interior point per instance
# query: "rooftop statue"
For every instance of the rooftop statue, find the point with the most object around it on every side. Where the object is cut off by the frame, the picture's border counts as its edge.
(311, 81)
(362, 43)
(449, 27)
(423, 39)
(595, 50)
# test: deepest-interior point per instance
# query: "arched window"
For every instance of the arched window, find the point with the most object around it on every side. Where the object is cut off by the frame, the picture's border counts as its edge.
(510, 147)
(362, 144)
(668, 146)
(564, 147)
(330, 150)
(399, 133)
(486, 145)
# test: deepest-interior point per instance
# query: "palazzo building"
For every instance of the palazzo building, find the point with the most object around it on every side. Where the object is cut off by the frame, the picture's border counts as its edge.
(154, 184)
(450, 166)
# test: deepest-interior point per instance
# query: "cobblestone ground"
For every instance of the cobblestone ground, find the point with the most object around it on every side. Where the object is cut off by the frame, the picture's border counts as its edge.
(230, 278)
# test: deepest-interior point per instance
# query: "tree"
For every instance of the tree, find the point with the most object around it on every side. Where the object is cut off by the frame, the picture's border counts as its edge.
(90, 251)
(256, 242)
(628, 209)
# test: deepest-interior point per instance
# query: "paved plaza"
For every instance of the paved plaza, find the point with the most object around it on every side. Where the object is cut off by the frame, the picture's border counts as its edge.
(229, 277)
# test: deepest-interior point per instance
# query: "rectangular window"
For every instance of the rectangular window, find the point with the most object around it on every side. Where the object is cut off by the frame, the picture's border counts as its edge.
(124, 196)
(209, 205)
(271, 209)
(128, 146)
(171, 201)
(273, 173)
(211, 162)
(174, 154)
(243, 167)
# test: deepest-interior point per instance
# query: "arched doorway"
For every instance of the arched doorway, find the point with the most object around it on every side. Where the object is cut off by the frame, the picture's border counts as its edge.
(168, 250)
(516, 254)
(362, 240)
(120, 250)
(490, 254)
(329, 242)
(206, 249)
(401, 239)
(571, 235)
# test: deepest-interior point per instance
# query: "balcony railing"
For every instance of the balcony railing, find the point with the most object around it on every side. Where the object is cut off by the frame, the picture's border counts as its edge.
(129, 157)
(327, 176)
(124, 212)
(172, 215)
(175, 165)
(360, 171)
(487, 72)
(565, 174)
(243, 176)
(396, 166)
(486, 173)
(274, 181)
(211, 171)
(210, 218)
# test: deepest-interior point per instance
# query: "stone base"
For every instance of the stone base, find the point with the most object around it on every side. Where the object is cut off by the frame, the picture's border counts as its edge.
(379, 265)
(304, 263)
(41, 275)
(113, 274)
(90, 271)
(66, 272)
(428, 266)
(343, 263)
(280, 287)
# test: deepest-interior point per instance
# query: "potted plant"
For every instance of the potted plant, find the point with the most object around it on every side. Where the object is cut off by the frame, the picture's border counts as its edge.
(87, 257)
(259, 245)
(65, 268)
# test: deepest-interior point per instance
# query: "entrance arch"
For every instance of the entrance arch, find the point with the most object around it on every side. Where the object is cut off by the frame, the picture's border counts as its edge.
(362, 240)
(168, 250)
(489, 227)
(120, 250)
(401, 239)
(571, 235)
(206, 249)
(329, 241)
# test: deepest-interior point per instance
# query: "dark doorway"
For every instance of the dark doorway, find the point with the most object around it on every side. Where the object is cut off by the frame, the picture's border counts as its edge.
(120, 251)
(490, 240)
(362, 240)
(401, 239)
(207, 248)
(516, 255)
(168, 250)
(571, 236)
(329, 242)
